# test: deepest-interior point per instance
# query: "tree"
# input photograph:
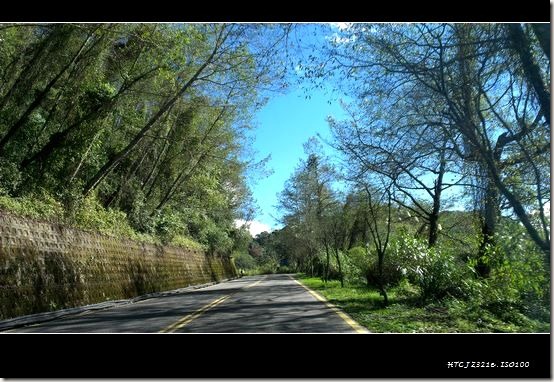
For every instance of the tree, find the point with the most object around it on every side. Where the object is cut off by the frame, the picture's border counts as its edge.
(413, 155)
(149, 120)
(306, 200)
(479, 93)
(377, 206)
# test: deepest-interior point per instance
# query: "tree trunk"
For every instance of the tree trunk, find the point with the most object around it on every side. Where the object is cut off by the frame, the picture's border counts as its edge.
(23, 74)
(488, 227)
(327, 259)
(542, 243)
(542, 31)
(155, 165)
(109, 166)
(17, 125)
(434, 216)
(341, 276)
(433, 228)
(383, 292)
(521, 45)
(58, 139)
(312, 273)
(382, 289)
(181, 178)
(131, 171)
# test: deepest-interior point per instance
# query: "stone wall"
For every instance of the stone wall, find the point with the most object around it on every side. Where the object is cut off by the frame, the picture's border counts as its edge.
(46, 266)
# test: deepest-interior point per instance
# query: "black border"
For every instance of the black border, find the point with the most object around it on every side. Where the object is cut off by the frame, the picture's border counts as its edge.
(278, 355)
(282, 11)
(271, 356)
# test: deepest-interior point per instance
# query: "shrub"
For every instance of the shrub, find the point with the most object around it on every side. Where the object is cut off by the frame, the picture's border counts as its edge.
(519, 279)
(216, 238)
(285, 269)
(365, 266)
(437, 273)
(168, 225)
(267, 268)
(40, 206)
(10, 176)
(90, 214)
(244, 261)
(186, 242)
(357, 264)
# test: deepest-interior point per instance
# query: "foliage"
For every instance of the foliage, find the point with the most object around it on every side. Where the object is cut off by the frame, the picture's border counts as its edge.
(266, 268)
(436, 272)
(358, 264)
(365, 268)
(244, 261)
(186, 242)
(470, 98)
(405, 315)
(92, 216)
(519, 280)
(141, 131)
(135, 130)
(215, 238)
(39, 206)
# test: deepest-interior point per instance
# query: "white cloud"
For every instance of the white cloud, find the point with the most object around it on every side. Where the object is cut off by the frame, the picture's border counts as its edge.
(254, 227)
(341, 26)
(335, 38)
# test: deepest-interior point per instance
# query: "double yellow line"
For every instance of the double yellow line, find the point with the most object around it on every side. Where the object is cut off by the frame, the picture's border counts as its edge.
(190, 317)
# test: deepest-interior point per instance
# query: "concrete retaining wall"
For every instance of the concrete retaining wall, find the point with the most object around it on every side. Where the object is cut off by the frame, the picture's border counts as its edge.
(46, 266)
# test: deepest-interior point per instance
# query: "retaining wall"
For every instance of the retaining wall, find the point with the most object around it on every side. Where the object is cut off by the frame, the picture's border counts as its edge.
(46, 266)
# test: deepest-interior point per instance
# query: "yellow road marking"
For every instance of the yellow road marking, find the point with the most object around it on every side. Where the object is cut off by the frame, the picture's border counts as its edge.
(190, 317)
(357, 327)
(254, 284)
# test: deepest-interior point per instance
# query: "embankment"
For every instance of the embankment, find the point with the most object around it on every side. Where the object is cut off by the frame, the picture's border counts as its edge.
(46, 266)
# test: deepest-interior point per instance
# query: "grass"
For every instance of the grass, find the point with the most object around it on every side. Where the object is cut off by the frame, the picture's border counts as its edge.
(404, 315)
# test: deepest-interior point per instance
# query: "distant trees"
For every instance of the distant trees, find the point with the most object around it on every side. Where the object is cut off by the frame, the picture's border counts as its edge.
(306, 201)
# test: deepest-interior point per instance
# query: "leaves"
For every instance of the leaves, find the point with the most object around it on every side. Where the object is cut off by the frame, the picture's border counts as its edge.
(144, 119)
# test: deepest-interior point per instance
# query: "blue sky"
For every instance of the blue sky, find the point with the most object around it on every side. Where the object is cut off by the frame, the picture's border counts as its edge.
(286, 122)
(283, 125)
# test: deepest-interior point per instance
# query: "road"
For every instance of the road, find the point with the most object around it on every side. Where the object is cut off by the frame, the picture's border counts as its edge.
(253, 304)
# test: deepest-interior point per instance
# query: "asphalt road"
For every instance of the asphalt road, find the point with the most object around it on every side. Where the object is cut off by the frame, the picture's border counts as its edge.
(254, 304)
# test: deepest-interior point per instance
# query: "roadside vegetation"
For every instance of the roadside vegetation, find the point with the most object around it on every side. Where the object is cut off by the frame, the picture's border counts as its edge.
(426, 209)
(432, 211)
(407, 314)
(133, 130)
